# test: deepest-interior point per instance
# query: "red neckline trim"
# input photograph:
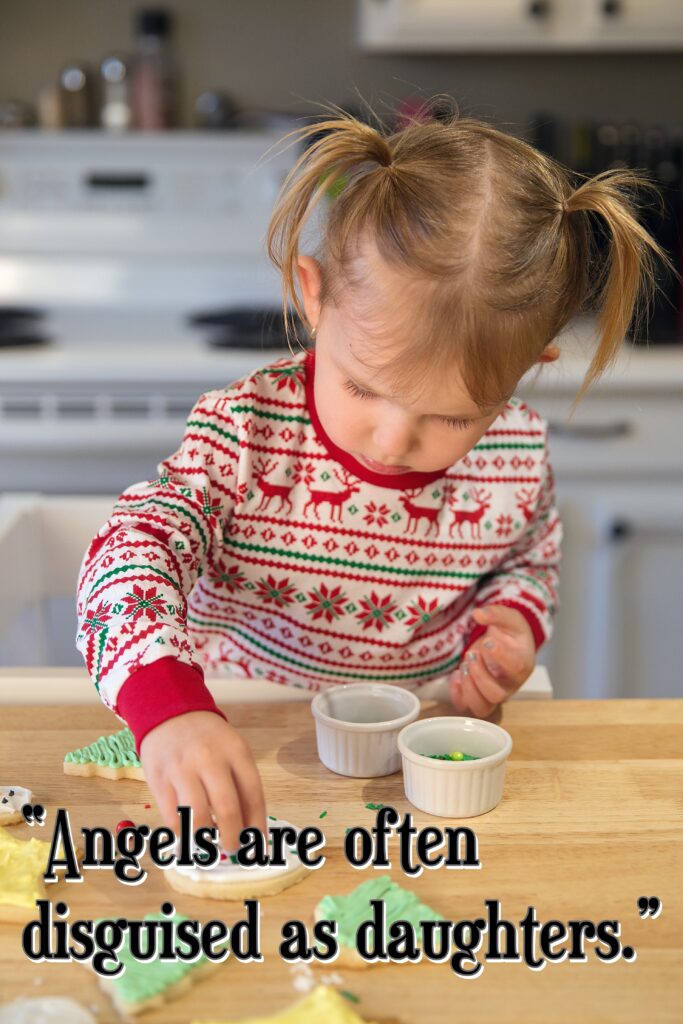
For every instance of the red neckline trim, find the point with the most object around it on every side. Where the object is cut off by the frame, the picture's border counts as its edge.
(394, 482)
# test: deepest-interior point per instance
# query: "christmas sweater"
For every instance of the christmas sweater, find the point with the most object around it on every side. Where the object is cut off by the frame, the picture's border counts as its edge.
(263, 549)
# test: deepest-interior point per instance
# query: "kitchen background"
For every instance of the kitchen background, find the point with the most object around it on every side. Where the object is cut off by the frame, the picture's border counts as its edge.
(134, 197)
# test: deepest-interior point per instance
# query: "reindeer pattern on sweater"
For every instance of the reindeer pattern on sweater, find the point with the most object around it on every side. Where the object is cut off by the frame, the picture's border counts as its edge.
(262, 550)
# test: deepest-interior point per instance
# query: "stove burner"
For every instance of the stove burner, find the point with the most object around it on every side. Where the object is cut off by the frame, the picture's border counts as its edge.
(20, 327)
(244, 327)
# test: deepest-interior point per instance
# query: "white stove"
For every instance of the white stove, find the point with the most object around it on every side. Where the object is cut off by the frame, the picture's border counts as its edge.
(108, 246)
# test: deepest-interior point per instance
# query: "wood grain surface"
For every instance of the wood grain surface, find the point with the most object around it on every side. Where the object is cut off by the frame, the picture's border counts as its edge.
(591, 819)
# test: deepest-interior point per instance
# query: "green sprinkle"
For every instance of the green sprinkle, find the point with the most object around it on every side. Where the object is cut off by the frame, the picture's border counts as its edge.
(374, 807)
(323, 814)
(452, 757)
(349, 995)
(272, 817)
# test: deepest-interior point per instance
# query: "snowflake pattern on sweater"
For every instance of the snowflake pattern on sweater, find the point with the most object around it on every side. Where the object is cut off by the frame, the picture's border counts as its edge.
(262, 550)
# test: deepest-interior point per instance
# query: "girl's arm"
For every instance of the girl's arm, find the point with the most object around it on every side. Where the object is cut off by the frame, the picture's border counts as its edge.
(132, 607)
(142, 565)
(527, 580)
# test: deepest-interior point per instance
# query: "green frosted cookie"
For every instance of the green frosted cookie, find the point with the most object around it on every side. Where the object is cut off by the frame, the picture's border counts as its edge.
(113, 756)
(146, 985)
(352, 910)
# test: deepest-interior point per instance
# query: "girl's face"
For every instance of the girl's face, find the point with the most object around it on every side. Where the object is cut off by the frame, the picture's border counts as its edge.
(386, 431)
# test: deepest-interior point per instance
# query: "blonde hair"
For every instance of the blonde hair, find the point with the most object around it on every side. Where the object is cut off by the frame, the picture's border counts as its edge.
(494, 241)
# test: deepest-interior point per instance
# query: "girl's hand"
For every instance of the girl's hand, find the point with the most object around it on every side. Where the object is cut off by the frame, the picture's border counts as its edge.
(496, 664)
(200, 761)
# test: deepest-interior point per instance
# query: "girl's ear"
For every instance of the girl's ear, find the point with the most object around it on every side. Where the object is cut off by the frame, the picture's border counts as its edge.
(550, 354)
(310, 280)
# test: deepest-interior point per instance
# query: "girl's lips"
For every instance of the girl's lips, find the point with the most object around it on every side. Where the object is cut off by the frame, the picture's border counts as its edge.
(379, 467)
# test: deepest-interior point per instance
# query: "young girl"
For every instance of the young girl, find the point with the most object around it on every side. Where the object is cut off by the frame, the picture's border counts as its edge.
(379, 507)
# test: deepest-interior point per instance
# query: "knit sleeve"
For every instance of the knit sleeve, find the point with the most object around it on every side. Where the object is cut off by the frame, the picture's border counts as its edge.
(528, 578)
(139, 570)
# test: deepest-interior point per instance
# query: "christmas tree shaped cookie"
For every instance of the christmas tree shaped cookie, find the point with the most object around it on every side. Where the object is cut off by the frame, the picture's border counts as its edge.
(324, 1005)
(353, 910)
(22, 866)
(149, 984)
(113, 757)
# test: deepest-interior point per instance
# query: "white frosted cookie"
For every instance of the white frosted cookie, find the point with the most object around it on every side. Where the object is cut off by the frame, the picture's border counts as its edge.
(48, 1010)
(228, 880)
(12, 799)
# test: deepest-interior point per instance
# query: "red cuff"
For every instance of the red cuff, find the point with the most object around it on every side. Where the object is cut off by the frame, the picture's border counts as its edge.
(160, 691)
(531, 618)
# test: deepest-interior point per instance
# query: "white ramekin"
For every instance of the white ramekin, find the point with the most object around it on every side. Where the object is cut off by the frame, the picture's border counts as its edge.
(454, 789)
(357, 727)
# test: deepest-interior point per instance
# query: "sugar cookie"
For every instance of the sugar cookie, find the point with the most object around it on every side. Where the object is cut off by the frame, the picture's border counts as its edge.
(12, 799)
(22, 866)
(228, 880)
(112, 757)
(322, 1005)
(148, 985)
(352, 910)
(48, 1010)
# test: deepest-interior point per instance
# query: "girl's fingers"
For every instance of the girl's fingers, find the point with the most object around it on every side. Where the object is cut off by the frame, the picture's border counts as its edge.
(503, 657)
(191, 793)
(474, 703)
(226, 806)
(167, 802)
(491, 690)
(507, 619)
(250, 792)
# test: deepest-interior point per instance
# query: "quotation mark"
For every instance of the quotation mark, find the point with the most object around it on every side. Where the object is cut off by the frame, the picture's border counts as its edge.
(33, 815)
(649, 906)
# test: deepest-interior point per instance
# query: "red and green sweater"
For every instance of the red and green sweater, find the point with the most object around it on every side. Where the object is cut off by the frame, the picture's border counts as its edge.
(262, 549)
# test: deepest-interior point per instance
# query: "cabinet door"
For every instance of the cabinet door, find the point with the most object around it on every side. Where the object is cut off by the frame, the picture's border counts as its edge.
(446, 25)
(614, 22)
(508, 25)
(619, 630)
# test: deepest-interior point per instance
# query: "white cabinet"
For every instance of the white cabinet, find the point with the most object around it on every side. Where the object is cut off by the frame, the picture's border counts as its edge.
(523, 25)
(619, 479)
(619, 630)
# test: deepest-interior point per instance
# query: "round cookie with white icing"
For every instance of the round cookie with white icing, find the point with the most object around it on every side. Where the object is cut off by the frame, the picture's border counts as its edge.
(48, 1010)
(12, 799)
(229, 880)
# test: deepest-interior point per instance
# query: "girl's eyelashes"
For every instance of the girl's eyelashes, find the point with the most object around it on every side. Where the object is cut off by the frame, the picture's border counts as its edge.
(355, 390)
(454, 422)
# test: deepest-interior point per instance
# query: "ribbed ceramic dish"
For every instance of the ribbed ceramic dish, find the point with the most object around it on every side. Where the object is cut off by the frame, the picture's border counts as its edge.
(357, 727)
(454, 789)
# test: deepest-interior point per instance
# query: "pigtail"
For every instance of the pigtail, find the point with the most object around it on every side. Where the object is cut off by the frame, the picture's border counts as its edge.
(338, 145)
(626, 283)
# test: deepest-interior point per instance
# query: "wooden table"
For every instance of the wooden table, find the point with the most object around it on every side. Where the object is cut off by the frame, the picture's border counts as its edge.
(591, 819)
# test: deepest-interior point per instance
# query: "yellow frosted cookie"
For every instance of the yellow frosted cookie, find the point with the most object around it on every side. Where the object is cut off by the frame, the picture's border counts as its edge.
(22, 866)
(324, 1005)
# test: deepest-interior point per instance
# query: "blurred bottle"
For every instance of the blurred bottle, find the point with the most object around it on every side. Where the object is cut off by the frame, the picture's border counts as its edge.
(154, 75)
(16, 114)
(115, 111)
(216, 110)
(50, 108)
(77, 96)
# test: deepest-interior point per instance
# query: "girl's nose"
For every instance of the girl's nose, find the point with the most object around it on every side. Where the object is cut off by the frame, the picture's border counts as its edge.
(393, 436)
